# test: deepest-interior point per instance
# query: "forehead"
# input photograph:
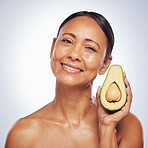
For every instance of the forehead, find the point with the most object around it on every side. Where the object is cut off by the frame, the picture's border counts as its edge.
(83, 26)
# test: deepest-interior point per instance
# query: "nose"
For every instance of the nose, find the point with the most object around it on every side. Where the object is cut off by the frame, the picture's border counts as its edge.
(75, 53)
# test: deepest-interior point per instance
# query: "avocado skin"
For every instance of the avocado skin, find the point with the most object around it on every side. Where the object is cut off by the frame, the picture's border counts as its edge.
(115, 74)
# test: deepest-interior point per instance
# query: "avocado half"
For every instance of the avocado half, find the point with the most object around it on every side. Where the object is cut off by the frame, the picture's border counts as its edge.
(113, 93)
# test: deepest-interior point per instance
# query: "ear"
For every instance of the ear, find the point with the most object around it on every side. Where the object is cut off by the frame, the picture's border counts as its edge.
(52, 47)
(105, 66)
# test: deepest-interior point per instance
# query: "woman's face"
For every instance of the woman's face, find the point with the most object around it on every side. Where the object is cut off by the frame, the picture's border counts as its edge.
(78, 53)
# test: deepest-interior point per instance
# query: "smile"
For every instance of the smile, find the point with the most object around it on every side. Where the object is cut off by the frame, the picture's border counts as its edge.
(70, 68)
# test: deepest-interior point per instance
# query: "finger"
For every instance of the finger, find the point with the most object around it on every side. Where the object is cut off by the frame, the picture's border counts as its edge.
(128, 88)
(129, 94)
(98, 96)
(124, 74)
(98, 92)
(125, 80)
(126, 108)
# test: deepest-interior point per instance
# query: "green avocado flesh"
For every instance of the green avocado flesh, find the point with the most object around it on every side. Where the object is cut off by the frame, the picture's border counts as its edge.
(113, 93)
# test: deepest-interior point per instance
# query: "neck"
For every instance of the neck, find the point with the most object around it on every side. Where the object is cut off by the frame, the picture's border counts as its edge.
(72, 103)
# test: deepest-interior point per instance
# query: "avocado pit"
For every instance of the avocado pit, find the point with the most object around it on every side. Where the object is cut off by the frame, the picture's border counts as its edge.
(113, 93)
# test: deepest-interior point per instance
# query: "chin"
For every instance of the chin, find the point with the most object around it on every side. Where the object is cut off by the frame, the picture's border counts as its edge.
(70, 81)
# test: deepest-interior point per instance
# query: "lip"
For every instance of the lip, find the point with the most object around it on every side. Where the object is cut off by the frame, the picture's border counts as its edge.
(71, 68)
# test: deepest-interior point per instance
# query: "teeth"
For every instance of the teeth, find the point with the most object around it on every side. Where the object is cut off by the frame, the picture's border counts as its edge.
(71, 68)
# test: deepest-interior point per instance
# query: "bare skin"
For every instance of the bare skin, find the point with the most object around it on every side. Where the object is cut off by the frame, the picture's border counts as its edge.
(75, 119)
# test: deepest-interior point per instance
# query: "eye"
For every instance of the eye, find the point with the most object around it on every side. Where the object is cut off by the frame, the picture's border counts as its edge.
(91, 48)
(66, 41)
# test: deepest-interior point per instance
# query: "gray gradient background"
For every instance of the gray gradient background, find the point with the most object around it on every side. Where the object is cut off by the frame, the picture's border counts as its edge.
(26, 31)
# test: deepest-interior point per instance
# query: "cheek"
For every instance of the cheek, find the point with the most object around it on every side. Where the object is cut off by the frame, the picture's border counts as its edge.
(54, 61)
(56, 58)
(94, 63)
(58, 54)
(53, 65)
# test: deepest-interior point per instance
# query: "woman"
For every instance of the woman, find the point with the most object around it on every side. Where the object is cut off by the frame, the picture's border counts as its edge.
(75, 119)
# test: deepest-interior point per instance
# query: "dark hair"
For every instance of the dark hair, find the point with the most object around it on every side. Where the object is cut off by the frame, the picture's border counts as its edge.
(102, 22)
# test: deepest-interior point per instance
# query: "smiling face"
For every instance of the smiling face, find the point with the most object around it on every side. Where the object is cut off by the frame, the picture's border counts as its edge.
(78, 53)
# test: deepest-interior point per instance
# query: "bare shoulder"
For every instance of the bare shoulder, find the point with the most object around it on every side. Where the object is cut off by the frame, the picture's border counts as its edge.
(28, 130)
(22, 133)
(130, 132)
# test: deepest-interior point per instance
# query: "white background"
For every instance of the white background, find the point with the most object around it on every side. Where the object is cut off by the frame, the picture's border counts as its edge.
(27, 28)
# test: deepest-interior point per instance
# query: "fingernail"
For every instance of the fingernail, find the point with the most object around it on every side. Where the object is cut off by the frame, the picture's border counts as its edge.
(99, 87)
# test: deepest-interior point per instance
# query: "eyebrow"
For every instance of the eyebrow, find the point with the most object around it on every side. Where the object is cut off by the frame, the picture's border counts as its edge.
(71, 34)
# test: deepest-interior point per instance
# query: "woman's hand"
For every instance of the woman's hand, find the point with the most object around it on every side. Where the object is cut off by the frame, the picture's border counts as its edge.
(112, 119)
(109, 120)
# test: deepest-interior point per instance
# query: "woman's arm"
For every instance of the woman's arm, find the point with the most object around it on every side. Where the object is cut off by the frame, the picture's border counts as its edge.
(130, 131)
(108, 123)
(107, 137)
